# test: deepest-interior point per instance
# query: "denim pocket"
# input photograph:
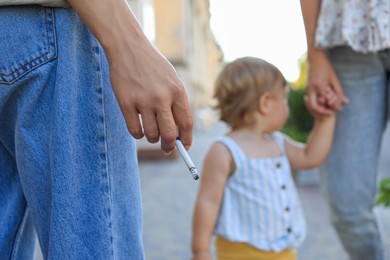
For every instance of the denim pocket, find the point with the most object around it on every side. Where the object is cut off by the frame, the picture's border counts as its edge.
(27, 40)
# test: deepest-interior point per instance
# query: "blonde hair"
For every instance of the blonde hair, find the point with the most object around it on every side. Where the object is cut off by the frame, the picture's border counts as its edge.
(239, 87)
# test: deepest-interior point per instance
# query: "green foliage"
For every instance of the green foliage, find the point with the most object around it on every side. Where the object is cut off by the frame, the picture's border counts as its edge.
(300, 121)
(384, 193)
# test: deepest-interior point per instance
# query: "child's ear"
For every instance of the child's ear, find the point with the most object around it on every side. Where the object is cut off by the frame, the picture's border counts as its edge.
(264, 104)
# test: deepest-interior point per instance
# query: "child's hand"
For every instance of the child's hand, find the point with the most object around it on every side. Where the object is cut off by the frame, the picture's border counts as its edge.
(202, 256)
(329, 98)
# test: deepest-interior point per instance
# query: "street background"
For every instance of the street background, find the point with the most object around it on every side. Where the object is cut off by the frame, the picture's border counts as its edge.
(169, 194)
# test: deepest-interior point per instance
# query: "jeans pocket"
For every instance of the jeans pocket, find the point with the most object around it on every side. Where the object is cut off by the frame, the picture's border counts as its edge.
(27, 40)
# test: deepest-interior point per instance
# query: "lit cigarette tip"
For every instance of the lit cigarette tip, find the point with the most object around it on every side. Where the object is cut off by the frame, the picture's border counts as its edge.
(194, 173)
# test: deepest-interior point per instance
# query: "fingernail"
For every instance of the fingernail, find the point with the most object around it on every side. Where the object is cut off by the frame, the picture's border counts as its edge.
(166, 152)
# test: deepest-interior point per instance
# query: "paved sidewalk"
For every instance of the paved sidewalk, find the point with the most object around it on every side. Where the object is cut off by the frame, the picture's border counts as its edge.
(169, 193)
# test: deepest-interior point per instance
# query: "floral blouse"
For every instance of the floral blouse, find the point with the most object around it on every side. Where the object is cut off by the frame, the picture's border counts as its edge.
(364, 25)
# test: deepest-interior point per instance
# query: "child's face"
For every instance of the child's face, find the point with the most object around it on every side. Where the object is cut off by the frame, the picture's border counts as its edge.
(280, 108)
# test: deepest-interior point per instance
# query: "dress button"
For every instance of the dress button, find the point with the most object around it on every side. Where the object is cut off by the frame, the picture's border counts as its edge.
(278, 165)
(283, 187)
(287, 209)
(289, 230)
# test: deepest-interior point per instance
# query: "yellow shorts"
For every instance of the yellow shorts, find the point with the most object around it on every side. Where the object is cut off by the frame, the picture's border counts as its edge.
(227, 250)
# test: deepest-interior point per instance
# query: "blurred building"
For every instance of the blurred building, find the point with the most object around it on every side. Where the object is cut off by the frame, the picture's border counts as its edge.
(180, 29)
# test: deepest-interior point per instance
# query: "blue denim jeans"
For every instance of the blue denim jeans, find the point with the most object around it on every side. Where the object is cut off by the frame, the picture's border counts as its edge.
(68, 166)
(350, 172)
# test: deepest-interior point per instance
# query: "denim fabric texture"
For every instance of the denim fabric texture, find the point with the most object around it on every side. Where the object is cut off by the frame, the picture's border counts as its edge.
(350, 173)
(68, 166)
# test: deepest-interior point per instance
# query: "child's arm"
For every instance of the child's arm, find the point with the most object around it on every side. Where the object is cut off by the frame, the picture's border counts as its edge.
(217, 167)
(315, 151)
(320, 139)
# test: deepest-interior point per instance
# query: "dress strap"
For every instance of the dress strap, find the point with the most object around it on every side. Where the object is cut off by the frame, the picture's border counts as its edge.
(236, 152)
(280, 140)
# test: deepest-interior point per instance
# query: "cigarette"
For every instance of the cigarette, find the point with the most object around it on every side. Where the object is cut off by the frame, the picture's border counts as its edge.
(187, 159)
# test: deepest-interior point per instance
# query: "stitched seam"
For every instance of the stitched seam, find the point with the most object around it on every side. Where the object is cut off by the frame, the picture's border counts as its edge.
(30, 64)
(24, 66)
(18, 235)
(106, 156)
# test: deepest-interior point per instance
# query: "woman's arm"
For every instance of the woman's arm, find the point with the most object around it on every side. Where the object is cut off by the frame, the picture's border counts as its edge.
(310, 11)
(321, 73)
(143, 80)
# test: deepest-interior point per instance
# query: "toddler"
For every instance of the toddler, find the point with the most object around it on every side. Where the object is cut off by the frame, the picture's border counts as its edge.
(247, 197)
